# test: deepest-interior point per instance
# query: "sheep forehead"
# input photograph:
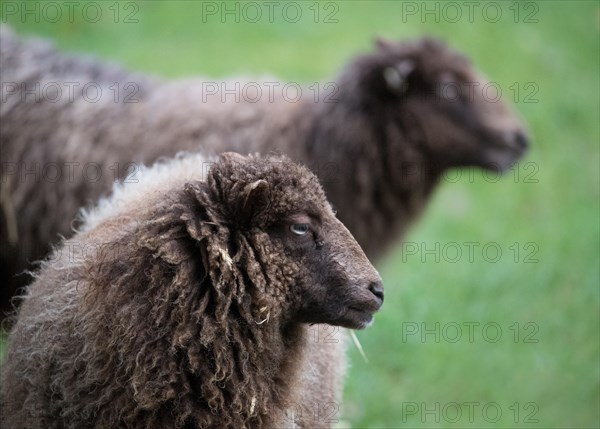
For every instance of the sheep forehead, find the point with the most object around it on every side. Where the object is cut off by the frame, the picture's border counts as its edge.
(431, 57)
(289, 183)
(286, 204)
(301, 192)
(450, 63)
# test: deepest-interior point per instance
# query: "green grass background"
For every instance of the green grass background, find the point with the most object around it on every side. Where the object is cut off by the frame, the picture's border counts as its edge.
(554, 380)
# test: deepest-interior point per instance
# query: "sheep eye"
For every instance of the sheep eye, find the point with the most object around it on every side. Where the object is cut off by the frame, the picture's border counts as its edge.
(449, 91)
(299, 229)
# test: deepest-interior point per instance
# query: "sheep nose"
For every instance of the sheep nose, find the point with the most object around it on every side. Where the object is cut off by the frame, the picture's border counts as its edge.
(521, 140)
(376, 289)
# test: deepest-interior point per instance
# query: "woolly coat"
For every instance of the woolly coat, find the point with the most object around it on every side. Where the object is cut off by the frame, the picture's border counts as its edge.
(155, 313)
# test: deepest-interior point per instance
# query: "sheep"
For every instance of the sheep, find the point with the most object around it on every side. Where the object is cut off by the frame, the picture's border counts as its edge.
(185, 301)
(380, 140)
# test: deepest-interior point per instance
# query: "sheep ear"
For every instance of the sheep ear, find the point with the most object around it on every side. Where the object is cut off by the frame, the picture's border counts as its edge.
(384, 44)
(233, 156)
(396, 76)
(255, 198)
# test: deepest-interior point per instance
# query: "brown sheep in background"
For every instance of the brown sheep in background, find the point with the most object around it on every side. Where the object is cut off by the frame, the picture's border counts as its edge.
(185, 302)
(380, 140)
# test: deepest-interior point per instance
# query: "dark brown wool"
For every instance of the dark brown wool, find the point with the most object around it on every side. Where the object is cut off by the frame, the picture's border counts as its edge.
(186, 304)
(397, 119)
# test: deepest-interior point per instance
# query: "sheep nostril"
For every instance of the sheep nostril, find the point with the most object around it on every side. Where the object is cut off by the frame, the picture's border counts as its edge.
(520, 138)
(376, 289)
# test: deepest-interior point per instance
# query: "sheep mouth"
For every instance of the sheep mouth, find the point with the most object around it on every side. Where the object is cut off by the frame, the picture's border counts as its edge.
(365, 304)
(508, 148)
(500, 160)
(357, 317)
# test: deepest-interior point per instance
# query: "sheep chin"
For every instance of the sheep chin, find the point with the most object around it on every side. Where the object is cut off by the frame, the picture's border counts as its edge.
(356, 319)
(500, 160)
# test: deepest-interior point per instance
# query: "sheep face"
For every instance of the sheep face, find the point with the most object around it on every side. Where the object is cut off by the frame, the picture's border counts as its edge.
(335, 283)
(286, 230)
(426, 89)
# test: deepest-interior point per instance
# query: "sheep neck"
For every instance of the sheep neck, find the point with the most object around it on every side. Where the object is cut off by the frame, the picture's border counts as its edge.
(390, 196)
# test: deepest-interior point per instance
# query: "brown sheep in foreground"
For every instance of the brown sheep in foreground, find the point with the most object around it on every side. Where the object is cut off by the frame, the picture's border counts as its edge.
(380, 140)
(185, 303)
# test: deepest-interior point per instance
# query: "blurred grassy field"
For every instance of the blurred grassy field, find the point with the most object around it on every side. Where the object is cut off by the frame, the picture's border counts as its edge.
(542, 292)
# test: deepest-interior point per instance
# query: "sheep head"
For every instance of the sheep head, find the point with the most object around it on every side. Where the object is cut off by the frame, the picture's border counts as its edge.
(452, 113)
(299, 263)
